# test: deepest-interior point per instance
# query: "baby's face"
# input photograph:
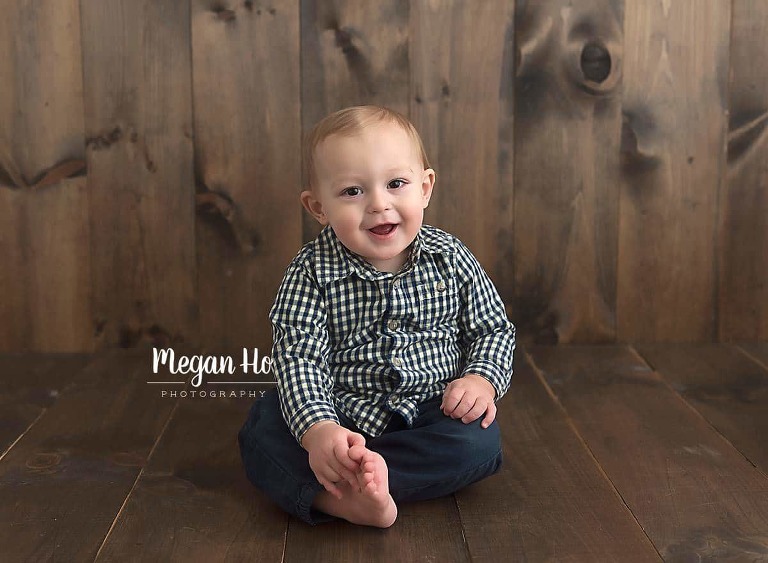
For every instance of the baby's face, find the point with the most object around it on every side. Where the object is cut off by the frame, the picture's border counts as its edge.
(372, 189)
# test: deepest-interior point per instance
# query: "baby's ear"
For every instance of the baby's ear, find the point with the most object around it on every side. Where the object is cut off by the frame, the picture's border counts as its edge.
(313, 206)
(427, 184)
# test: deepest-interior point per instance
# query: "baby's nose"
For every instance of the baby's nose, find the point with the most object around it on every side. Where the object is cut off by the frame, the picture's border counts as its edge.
(378, 201)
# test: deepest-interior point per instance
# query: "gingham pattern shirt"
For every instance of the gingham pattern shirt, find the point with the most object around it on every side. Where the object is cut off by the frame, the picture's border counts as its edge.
(374, 343)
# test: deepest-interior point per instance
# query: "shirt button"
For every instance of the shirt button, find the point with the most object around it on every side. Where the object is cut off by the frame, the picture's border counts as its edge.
(394, 399)
(393, 324)
(397, 362)
(441, 285)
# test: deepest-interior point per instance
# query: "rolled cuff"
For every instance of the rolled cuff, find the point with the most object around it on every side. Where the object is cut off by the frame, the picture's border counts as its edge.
(308, 415)
(492, 372)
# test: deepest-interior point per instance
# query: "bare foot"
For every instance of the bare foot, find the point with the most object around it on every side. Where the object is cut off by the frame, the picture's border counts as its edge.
(369, 504)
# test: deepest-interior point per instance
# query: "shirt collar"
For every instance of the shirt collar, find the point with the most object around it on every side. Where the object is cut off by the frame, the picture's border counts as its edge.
(334, 261)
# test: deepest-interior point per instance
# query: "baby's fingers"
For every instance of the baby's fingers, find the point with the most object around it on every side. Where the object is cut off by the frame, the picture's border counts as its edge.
(475, 412)
(330, 487)
(329, 477)
(347, 475)
(341, 453)
(466, 404)
(451, 399)
(355, 439)
(345, 466)
(490, 415)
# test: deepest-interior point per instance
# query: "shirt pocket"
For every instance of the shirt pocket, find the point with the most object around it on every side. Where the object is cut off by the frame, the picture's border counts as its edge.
(438, 303)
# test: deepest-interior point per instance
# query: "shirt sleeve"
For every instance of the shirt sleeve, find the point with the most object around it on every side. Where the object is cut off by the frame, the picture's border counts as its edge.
(486, 335)
(300, 347)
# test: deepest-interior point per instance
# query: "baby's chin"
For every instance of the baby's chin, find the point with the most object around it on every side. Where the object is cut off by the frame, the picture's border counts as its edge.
(390, 261)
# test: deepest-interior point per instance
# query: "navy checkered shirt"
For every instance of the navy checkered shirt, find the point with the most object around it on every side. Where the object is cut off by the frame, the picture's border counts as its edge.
(374, 343)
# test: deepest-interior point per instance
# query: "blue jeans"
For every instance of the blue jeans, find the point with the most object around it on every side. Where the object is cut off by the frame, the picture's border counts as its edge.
(437, 456)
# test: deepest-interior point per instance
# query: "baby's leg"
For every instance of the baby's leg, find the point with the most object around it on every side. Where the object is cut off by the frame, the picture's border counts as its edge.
(370, 504)
(438, 456)
(276, 464)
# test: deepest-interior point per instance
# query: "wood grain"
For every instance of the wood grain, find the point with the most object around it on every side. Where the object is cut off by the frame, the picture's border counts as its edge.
(353, 52)
(672, 146)
(550, 501)
(31, 384)
(743, 241)
(566, 128)
(193, 501)
(138, 119)
(757, 351)
(63, 483)
(460, 102)
(690, 490)
(15, 326)
(424, 531)
(44, 231)
(724, 385)
(247, 147)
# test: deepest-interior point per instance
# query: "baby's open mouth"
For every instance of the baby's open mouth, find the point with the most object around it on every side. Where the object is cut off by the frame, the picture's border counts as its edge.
(383, 229)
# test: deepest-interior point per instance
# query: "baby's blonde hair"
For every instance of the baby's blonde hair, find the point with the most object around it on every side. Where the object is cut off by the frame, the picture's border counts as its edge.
(351, 121)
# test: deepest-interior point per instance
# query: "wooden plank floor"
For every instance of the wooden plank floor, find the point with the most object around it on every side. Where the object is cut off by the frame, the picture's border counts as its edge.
(611, 453)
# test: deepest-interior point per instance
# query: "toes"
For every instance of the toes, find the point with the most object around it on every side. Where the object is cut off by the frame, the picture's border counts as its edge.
(371, 486)
(361, 481)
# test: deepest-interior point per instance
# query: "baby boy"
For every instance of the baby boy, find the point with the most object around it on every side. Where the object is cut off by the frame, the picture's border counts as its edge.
(391, 344)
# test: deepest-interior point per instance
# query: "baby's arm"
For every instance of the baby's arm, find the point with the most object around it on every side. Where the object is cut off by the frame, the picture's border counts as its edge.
(299, 357)
(487, 338)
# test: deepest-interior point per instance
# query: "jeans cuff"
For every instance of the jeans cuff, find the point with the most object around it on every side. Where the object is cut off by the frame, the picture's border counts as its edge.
(304, 508)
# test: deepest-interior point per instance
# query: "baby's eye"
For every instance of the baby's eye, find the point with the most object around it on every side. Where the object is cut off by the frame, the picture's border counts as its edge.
(353, 191)
(402, 183)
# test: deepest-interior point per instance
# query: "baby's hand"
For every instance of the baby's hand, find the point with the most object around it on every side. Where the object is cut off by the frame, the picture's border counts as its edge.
(328, 446)
(468, 398)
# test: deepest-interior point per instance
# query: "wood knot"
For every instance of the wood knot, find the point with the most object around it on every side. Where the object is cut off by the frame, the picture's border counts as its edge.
(224, 215)
(224, 14)
(100, 142)
(594, 65)
(344, 41)
(638, 141)
(43, 460)
(14, 179)
(595, 62)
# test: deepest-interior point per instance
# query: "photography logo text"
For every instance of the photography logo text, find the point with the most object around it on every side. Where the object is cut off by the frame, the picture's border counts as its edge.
(207, 371)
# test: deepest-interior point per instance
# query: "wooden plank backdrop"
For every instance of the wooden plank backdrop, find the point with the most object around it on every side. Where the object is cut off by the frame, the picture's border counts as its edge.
(743, 235)
(247, 166)
(604, 161)
(672, 143)
(567, 124)
(137, 93)
(460, 109)
(45, 260)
